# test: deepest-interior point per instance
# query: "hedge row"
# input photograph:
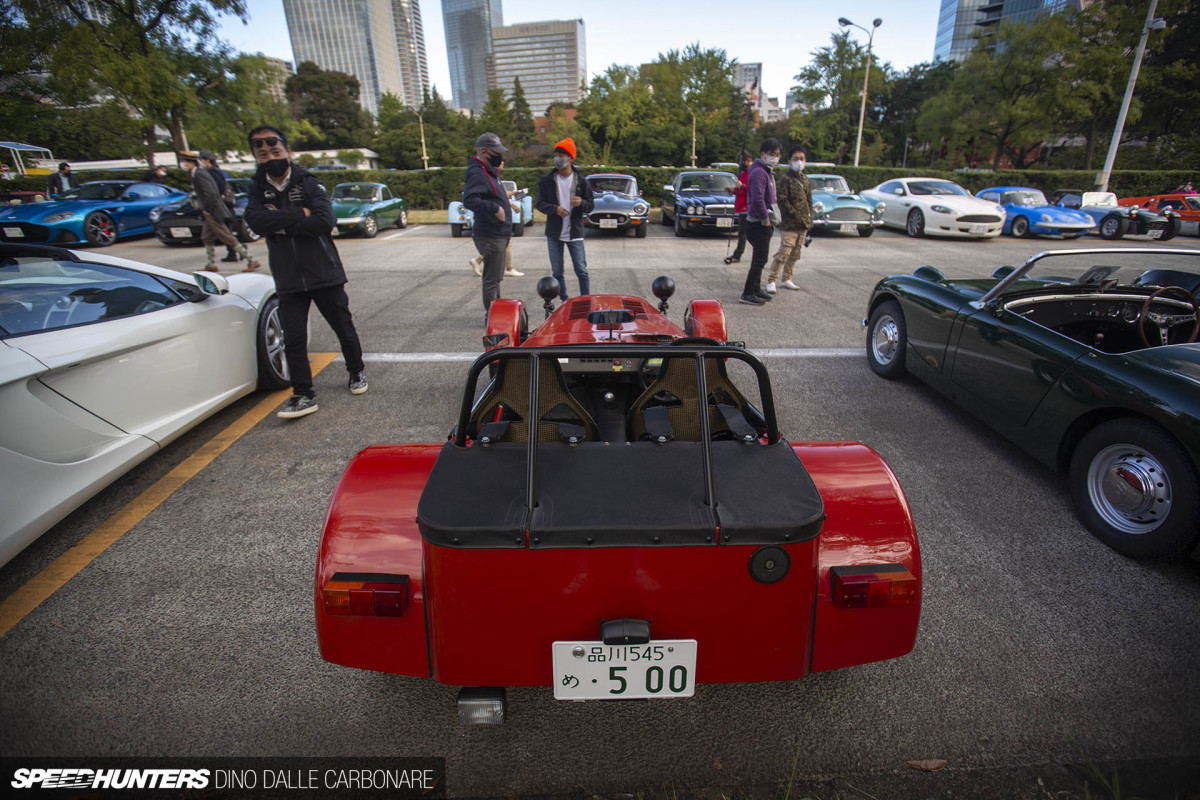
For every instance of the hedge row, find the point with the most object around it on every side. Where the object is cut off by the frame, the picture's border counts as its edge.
(436, 188)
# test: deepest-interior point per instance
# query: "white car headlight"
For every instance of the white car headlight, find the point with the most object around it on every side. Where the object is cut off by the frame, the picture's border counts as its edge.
(880, 208)
(818, 207)
(59, 217)
(940, 210)
(691, 209)
(155, 214)
(1046, 218)
(640, 208)
(1001, 211)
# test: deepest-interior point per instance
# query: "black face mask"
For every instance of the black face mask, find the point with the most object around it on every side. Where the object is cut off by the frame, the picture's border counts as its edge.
(277, 167)
(495, 159)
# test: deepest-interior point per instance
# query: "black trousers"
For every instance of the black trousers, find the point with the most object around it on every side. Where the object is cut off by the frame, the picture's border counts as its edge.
(741, 245)
(334, 306)
(759, 236)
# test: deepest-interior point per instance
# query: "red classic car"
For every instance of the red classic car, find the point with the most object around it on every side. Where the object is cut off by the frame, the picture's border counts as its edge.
(656, 533)
(1187, 206)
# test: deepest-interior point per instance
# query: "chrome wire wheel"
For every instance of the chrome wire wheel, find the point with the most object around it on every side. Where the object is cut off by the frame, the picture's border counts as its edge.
(1129, 488)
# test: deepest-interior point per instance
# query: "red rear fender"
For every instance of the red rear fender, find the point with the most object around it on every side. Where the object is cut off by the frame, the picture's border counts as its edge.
(705, 318)
(371, 528)
(867, 521)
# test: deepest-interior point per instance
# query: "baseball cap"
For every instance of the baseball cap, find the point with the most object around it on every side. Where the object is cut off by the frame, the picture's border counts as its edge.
(567, 145)
(490, 141)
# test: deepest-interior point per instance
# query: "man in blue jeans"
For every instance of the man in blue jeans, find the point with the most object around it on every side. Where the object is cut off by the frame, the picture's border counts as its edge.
(564, 197)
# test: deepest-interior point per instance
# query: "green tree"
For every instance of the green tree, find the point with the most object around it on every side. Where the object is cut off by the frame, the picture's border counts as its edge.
(143, 54)
(496, 115)
(617, 102)
(1011, 93)
(899, 111)
(329, 100)
(830, 92)
(522, 116)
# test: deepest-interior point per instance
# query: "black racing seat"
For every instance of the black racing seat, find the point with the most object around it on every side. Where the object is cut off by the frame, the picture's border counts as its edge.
(669, 408)
(502, 413)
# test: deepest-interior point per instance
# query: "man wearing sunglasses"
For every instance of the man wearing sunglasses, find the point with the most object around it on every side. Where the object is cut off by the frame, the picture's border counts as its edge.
(289, 206)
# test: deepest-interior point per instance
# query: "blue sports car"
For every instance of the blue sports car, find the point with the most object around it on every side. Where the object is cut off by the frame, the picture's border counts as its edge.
(1030, 213)
(97, 213)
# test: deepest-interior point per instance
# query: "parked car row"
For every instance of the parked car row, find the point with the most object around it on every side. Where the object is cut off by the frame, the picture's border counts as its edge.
(101, 212)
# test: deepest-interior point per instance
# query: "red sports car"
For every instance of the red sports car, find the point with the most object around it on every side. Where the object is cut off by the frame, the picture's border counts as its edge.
(614, 518)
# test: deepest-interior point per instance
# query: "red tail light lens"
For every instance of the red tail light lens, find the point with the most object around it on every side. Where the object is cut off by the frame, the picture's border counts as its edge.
(365, 594)
(873, 585)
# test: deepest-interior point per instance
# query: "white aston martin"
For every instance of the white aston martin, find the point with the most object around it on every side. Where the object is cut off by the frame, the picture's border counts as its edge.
(936, 207)
(103, 361)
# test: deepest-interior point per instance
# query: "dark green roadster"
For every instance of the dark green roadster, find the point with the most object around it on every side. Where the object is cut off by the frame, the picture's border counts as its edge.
(1087, 359)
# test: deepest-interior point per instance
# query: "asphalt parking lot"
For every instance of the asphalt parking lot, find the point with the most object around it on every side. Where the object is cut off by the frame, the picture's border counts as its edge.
(192, 635)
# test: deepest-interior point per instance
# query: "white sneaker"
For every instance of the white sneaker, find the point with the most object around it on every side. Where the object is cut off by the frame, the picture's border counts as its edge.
(477, 264)
(770, 287)
(789, 285)
(512, 273)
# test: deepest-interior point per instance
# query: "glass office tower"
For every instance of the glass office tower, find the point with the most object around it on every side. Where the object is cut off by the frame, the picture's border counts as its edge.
(469, 26)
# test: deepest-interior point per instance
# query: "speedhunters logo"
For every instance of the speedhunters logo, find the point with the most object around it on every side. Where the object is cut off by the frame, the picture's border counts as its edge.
(58, 778)
(224, 778)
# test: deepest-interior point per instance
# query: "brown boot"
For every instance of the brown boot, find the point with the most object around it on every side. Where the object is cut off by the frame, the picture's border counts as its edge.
(212, 268)
(251, 265)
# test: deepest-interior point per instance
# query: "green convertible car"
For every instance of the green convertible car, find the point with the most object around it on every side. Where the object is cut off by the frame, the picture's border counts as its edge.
(365, 208)
(1087, 359)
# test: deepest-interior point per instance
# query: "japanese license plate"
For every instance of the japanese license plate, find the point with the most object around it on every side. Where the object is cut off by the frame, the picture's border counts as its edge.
(1155, 233)
(608, 223)
(724, 222)
(597, 671)
(977, 230)
(845, 228)
(181, 233)
(15, 233)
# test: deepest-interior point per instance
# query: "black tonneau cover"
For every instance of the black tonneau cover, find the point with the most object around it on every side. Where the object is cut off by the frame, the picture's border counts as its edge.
(618, 495)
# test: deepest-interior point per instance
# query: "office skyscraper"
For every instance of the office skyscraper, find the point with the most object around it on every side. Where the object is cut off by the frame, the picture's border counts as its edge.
(380, 42)
(469, 26)
(550, 58)
(960, 21)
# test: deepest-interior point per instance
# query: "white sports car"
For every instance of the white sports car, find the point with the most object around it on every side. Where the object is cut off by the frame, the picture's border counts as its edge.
(103, 361)
(936, 207)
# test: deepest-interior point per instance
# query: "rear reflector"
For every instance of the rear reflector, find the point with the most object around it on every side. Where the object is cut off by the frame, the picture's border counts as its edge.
(873, 585)
(482, 705)
(365, 594)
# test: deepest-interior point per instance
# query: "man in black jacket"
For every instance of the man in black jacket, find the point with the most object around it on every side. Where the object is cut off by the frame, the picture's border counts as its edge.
(485, 198)
(290, 207)
(564, 197)
(61, 181)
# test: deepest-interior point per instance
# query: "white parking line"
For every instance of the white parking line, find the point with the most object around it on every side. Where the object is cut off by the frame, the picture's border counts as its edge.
(405, 232)
(431, 358)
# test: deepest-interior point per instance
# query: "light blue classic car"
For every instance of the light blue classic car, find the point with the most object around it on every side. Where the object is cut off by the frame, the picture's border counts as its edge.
(461, 217)
(836, 208)
(96, 213)
(1030, 213)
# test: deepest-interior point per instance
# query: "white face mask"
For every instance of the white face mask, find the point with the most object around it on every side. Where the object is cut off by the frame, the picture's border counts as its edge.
(561, 161)
(798, 166)
(771, 161)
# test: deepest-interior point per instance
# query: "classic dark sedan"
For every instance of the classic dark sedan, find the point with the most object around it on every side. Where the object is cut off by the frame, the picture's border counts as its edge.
(180, 222)
(619, 206)
(96, 213)
(1087, 359)
(699, 201)
(1114, 220)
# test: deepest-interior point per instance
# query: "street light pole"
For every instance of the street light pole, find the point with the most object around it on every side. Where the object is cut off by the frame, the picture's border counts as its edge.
(693, 139)
(862, 114)
(1151, 24)
(424, 156)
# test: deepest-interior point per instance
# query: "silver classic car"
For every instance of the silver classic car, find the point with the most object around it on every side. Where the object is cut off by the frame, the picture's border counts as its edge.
(618, 205)
(836, 208)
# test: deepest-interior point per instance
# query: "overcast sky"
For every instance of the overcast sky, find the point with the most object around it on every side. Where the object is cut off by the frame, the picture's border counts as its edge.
(779, 33)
